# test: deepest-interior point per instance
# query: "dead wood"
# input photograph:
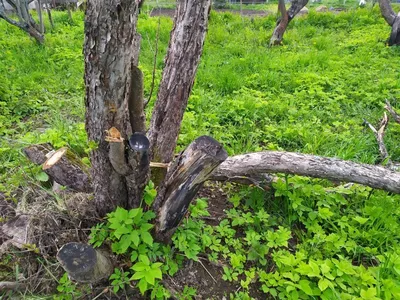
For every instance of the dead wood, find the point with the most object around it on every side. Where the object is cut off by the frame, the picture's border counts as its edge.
(83, 263)
(183, 180)
(66, 169)
(393, 113)
(379, 135)
(248, 165)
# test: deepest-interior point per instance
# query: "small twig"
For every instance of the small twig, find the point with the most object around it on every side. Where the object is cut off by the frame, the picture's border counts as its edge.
(154, 64)
(390, 109)
(11, 286)
(102, 292)
(379, 135)
(207, 271)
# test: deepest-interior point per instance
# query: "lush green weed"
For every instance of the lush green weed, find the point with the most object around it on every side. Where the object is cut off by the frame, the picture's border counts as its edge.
(309, 238)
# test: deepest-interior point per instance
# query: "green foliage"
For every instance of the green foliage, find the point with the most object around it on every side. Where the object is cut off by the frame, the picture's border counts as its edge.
(69, 290)
(306, 239)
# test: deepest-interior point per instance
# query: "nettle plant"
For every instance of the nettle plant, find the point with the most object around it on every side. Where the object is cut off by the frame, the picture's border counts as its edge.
(128, 232)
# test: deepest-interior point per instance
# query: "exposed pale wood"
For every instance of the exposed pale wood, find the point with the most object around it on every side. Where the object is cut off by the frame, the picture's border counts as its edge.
(309, 165)
(184, 178)
(379, 135)
(83, 263)
(110, 50)
(68, 170)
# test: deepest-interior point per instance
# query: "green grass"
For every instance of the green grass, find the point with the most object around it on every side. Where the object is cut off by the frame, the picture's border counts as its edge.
(309, 95)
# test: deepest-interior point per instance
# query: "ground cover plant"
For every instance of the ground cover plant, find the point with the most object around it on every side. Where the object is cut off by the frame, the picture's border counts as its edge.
(304, 238)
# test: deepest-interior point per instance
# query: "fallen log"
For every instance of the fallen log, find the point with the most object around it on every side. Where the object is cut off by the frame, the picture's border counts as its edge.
(254, 168)
(252, 164)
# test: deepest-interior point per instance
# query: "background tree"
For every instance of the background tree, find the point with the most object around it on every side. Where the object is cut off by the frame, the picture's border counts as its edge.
(25, 20)
(286, 17)
(393, 20)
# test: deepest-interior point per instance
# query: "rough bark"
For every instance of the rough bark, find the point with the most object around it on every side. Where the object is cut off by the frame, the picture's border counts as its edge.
(286, 17)
(184, 51)
(68, 170)
(184, 178)
(393, 20)
(251, 164)
(254, 168)
(83, 263)
(111, 49)
(26, 22)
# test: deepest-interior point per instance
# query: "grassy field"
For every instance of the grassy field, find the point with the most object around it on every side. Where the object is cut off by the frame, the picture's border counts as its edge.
(309, 239)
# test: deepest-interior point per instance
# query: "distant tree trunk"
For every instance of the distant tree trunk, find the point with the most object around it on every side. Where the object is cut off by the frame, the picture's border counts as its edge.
(49, 13)
(38, 4)
(184, 51)
(393, 20)
(110, 54)
(286, 17)
(25, 21)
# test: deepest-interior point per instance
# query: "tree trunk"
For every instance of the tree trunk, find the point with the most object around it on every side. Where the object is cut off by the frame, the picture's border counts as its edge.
(286, 17)
(392, 19)
(40, 15)
(184, 51)
(26, 22)
(49, 13)
(110, 53)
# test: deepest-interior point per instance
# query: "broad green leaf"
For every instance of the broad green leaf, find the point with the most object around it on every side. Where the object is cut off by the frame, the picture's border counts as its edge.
(134, 236)
(140, 266)
(142, 285)
(147, 238)
(149, 278)
(144, 259)
(138, 275)
(323, 284)
(360, 220)
(368, 294)
(304, 285)
(42, 176)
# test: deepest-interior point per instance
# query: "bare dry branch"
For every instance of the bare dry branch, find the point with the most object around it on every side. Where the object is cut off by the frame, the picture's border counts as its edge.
(390, 109)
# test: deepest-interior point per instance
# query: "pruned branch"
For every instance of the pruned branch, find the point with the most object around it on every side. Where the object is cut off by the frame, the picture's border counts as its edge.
(379, 135)
(390, 109)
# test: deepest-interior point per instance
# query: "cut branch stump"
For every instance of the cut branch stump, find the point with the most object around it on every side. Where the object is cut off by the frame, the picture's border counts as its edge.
(83, 263)
(184, 178)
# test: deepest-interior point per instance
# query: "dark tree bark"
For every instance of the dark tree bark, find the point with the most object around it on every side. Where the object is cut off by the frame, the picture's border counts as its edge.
(25, 21)
(393, 20)
(286, 17)
(83, 263)
(184, 51)
(110, 54)
(184, 178)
